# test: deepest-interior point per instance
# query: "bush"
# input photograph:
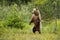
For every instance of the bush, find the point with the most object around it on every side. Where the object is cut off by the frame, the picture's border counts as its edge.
(12, 17)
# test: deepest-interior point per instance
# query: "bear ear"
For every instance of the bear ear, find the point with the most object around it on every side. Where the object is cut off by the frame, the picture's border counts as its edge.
(34, 9)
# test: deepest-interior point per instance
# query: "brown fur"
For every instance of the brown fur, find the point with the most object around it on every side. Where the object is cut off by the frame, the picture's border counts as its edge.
(35, 19)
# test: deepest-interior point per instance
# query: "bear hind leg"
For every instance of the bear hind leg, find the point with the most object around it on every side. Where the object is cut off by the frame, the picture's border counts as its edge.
(34, 30)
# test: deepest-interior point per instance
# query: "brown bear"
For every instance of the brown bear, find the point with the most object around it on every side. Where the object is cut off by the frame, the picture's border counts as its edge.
(36, 20)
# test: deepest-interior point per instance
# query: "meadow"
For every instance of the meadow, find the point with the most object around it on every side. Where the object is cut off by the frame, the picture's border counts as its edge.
(27, 34)
(15, 16)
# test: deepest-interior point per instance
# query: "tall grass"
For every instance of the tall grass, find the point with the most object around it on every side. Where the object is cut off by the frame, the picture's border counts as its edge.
(27, 34)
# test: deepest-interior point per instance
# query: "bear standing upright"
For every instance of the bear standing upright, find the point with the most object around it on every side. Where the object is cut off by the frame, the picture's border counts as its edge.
(36, 20)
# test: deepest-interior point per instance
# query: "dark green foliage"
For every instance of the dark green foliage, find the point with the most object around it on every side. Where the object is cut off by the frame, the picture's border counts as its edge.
(45, 6)
(47, 9)
(15, 12)
(11, 2)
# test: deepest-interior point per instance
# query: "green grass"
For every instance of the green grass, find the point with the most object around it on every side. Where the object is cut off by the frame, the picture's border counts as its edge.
(19, 36)
(27, 34)
(13, 34)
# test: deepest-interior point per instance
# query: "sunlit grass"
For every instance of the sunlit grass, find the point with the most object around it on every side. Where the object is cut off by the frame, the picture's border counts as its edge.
(23, 36)
(27, 34)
